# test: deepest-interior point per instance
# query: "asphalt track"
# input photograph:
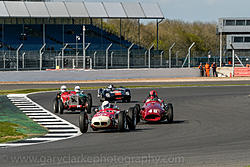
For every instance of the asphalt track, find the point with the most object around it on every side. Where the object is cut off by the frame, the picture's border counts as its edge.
(211, 128)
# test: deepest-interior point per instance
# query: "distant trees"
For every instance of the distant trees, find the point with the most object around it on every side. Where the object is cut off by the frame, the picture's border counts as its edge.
(182, 33)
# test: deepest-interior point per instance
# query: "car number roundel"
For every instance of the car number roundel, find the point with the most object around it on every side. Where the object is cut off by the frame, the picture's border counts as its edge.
(154, 111)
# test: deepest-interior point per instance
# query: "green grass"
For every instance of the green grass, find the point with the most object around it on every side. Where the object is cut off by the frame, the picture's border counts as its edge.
(14, 124)
(8, 132)
(25, 91)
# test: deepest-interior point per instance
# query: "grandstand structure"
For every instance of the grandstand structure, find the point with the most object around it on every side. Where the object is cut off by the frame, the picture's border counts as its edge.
(42, 35)
(237, 37)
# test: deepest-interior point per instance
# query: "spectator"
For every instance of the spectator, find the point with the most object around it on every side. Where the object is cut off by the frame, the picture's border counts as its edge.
(207, 68)
(201, 70)
(214, 67)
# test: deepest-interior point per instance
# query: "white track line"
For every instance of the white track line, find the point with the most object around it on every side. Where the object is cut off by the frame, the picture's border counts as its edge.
(58, 128)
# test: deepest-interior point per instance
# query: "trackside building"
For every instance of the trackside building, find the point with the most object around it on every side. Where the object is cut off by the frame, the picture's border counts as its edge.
(41, 35)
(234, 32)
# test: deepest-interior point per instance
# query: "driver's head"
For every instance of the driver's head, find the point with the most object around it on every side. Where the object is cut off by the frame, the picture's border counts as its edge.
(105, 104)
(111, 86)
(63, 88)
(153, 94)
(77, 89)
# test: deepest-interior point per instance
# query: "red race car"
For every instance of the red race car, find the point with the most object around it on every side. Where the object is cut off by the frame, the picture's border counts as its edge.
(108, 116)
(72, 100)
(155, 110)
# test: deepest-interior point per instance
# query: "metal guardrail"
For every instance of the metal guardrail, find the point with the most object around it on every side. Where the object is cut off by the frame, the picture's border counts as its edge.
(67, 58)
(98, 59)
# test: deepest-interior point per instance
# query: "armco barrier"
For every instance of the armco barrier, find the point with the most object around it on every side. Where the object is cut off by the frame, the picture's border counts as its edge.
(242, 72)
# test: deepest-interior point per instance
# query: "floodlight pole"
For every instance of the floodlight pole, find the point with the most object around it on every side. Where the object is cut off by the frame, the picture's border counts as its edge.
(107, 54)
(170, 55)
(157, 32)
(149, 55)
(77, 39)
(23, 58)
(189, 54)
(233, 56)
(41, 54)
(129, 54)
(83, 46)
(17, 56)
(65, 46)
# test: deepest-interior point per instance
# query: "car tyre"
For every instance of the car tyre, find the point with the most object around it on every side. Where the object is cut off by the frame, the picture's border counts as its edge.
(89, 103)
(83, 122)
(132, 118)
(55, 105)
(122, 122)
(137, 108)
(60, 107)
(170, 116)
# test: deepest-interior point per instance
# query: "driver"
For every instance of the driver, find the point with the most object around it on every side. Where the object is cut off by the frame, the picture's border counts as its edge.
(153, 96)
(111, 87)
(77, 89)
(63, 89)
(105, 105)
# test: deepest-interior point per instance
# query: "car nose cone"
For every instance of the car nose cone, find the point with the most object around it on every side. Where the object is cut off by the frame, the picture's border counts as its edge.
(101, 121)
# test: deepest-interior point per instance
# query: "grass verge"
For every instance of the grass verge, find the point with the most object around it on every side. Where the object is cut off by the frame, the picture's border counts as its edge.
(8, 132)
(14, 124)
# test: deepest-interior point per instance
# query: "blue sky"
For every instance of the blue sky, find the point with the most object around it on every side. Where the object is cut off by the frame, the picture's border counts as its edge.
(198, 10)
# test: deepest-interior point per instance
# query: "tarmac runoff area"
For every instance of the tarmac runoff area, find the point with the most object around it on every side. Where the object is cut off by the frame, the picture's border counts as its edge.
(139, 77)
(92, 75)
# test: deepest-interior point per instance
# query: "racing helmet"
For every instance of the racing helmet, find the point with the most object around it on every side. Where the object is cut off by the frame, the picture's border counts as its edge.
(77, 89)
(105, 104)
(153, 93)
(63, 88)
(111, 86)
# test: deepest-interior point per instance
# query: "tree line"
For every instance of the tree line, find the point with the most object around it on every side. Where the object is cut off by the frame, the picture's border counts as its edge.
(170, 31)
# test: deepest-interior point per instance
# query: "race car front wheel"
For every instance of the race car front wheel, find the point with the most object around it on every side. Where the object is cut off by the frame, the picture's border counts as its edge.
(60, 107)
(170, 111)
(55, 105)
(83, 122)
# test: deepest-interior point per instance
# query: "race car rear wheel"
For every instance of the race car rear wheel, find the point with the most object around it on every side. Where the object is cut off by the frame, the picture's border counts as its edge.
(55, 105)
(89, 102)
(137, 109)
(131, 118)
(170, 111)
(83, 122)
(122, 123)
(60, 107)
